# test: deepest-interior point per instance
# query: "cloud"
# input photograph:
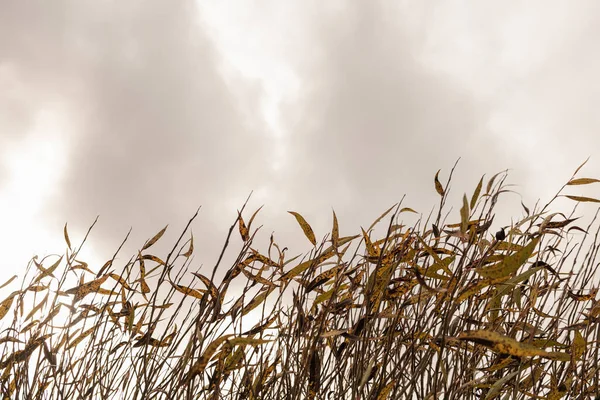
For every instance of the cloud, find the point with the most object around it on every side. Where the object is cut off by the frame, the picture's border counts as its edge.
(369, 100)
(374, 122)
(156, 130)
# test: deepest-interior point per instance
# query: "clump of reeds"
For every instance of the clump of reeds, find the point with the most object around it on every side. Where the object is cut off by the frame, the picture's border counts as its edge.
(439, 310)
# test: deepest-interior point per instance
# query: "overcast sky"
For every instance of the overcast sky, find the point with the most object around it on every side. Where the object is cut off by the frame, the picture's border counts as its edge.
(142, 111)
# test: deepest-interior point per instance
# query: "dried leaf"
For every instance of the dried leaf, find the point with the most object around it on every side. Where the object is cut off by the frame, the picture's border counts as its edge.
(578, 347)
(476, 194)
(191, 248)
(8, 281)
(506, 345)
(582, 181)
(155, 238)
(83, 290)
(5, 305)
(242, 228)
(583, 199)
(438, 186)
(308, 232)
(335, 232)
(510, 264)
(67, 236)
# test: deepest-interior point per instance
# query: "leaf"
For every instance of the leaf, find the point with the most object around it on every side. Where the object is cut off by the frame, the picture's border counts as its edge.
(67, 236)
(202, 362)
(252, 217)
(245, 341)
(322, 278)
(506, 345)
(332, 333)
(371, 250)
(386, 390)
(499, 384)
(438, 186)
(407, 209)
(510, 264)
(525, 208)
(37, 307)
(80, 338)
(582, 181)
(578, 347)
(464, 215)
(558, 224)
(491, 183)
(84, 289)
(314, 375)
(5, 305)
(8, 281)
(381, 217)
(511, 283)
(120, 280)
(242, 228)
(308, 232)
(189, 291)
(209, 285)
(256, 301)
(47, 272)
(476, 194)
(191, 249)
(578, 168)
(335, 232)
(155, 238)
(583, 199)
(300, 268)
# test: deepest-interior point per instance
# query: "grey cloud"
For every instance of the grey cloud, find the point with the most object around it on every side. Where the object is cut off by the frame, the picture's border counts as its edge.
(374, 120)
(158, 131)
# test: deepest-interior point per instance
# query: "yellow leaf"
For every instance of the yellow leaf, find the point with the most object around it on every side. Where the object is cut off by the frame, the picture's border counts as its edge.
(308, 232)
(510, 264)
(189, 291)
(371, 250)
(300, 268)
(83, 290)
(5, 305)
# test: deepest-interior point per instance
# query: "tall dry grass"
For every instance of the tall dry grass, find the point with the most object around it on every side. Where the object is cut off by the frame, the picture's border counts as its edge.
(438, 310)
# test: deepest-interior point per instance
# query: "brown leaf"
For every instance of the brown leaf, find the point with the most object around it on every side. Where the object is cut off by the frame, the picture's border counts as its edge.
(583, 199)
(155, 238)
(67, 236)
(438, 186)
(242, 228)
(582, 181)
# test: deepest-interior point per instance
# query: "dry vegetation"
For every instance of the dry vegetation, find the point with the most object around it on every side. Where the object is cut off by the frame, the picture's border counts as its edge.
(434, 311)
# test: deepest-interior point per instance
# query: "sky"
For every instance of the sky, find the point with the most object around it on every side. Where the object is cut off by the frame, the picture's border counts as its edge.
(141, 112)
